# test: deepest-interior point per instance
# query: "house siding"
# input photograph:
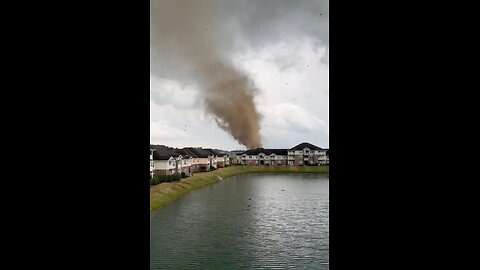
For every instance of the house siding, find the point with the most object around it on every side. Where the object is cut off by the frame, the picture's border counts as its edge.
(191, 165)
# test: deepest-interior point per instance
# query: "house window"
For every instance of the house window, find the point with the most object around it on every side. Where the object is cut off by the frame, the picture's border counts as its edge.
(250, 157)
(169, 163)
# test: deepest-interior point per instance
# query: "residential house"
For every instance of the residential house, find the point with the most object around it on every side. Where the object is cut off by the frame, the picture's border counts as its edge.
(307, 154)
(165, 160)
(187, 161)
(152, 164)
(327, 157)
(221, 157)
(302, 154)
(278, 157)
(254, 156)
(235, 156)
(262, 156)
(226, 157)
(195, 160)
(203, 159)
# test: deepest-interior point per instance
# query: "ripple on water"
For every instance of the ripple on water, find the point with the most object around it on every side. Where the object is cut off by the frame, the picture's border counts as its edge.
(215, 228)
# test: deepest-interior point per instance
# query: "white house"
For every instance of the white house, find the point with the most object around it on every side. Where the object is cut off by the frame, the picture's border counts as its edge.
(302, 154)
(202, 159)
(165, 161)
(187, 162)
(152, 164)
(221, 157)
(307, 154)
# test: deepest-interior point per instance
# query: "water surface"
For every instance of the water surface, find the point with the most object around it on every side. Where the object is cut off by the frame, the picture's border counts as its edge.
(250, 221)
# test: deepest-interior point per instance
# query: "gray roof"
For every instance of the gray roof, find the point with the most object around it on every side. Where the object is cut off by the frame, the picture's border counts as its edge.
(281, 152)
(163, 152)
(213, 151)
(306, 145)
(256, 151)
(184, 153)
(198, 152)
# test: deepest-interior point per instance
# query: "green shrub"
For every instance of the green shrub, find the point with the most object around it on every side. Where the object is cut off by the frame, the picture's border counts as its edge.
(184, 175)
(212, 168)
(155, 180)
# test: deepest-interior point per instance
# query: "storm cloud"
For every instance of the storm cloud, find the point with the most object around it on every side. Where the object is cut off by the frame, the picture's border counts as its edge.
(194, 42)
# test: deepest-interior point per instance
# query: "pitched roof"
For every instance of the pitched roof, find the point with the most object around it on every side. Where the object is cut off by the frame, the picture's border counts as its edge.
(281, 152)
(184, 153)
(257, 151)
(190, 153)
(198, 152)
(306, 145)
(162, 152)
(223, 152)
(213, 151)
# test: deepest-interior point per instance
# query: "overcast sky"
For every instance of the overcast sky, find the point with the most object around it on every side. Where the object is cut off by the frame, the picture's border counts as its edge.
(282, 46)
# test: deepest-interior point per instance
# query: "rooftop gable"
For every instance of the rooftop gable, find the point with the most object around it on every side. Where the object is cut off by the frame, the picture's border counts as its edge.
(199, 152)
(306, 145)
(162, 152)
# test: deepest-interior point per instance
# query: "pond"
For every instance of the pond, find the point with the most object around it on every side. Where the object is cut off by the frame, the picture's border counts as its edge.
(250, 221)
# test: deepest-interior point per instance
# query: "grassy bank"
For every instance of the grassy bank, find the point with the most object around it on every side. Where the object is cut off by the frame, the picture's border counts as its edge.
(164, 193)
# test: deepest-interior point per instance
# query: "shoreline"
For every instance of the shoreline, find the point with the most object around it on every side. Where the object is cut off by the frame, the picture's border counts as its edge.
(165, 193)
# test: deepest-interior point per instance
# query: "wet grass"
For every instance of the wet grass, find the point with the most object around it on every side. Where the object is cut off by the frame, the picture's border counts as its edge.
(164, 193)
